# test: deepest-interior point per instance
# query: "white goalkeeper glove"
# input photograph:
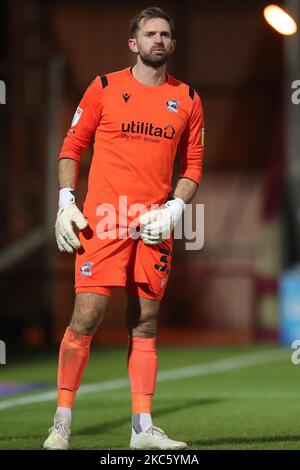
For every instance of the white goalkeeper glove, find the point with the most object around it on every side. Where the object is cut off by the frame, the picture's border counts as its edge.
(158, 224)
(68, 213)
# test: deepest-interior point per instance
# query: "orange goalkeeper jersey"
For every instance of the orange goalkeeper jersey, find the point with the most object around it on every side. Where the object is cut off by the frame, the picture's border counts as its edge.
(137, 131)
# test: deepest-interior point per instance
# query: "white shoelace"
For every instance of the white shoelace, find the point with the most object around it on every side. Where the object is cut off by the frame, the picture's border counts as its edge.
(61, 429)
(155, 431)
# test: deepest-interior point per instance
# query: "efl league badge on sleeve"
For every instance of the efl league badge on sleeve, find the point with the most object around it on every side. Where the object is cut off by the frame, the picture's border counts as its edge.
(77, 116)
(172, 105)
(202, 135)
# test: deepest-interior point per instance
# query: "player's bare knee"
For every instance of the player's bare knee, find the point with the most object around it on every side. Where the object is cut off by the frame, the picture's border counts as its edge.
(87, 318)
(88, 312)
(86, 325)
(146, 327)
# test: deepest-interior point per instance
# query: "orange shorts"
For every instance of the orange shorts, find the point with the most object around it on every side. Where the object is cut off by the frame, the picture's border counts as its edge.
(101, 264)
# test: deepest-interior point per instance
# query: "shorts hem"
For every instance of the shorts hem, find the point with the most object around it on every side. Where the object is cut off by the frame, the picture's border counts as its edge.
(101, 290)
(94, 286)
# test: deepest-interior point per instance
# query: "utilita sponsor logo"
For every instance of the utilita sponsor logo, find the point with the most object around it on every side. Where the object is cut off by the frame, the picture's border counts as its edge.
(147, 128)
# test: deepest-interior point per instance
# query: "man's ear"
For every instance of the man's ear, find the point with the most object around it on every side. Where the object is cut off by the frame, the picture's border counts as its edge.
(173, 45)
(132, 45)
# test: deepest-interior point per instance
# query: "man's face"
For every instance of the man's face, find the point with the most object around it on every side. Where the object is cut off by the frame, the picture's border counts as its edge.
(153, 42)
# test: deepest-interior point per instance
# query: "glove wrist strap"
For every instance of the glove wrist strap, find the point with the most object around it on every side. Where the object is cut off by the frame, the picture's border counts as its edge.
(181, 201)
(178, 200)
(67, 196)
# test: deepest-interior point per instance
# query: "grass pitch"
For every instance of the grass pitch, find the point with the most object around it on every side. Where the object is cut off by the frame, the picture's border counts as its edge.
(221, 398)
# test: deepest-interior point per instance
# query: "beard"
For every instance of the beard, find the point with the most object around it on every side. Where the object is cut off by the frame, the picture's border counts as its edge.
(154, 59)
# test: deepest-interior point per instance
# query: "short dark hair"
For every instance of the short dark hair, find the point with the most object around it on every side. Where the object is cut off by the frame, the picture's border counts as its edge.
(147, 14)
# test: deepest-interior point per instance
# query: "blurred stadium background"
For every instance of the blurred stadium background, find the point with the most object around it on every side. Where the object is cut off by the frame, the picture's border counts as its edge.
(232, 292)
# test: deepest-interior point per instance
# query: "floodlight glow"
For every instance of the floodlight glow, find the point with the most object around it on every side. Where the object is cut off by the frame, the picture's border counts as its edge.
(280, 20)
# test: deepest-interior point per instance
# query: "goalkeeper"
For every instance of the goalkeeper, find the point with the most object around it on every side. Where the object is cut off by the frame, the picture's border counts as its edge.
(138, 116)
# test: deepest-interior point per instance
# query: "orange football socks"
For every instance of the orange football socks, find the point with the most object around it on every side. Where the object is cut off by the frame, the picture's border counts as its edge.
(73, 357)
(142, 370)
